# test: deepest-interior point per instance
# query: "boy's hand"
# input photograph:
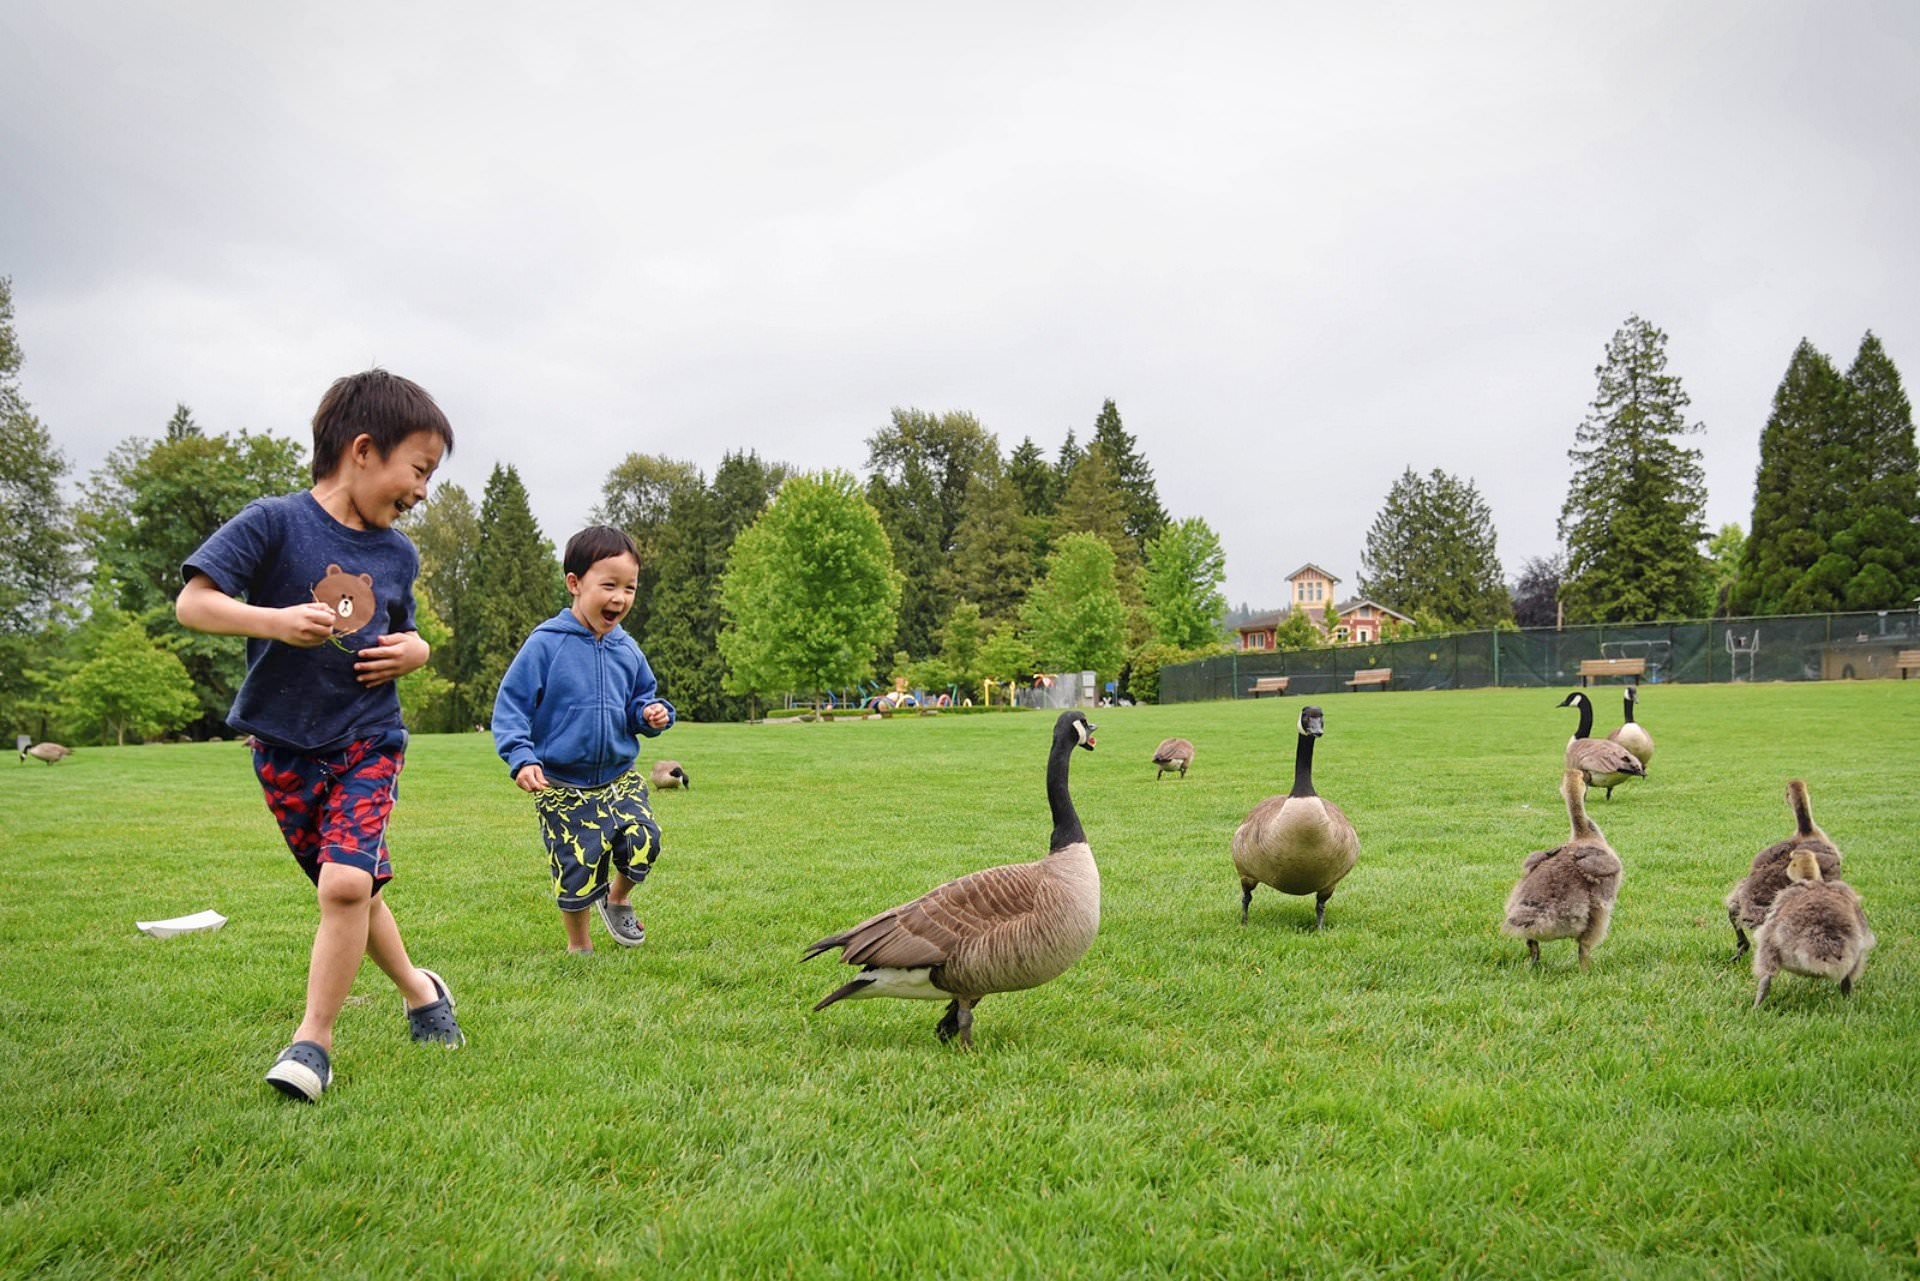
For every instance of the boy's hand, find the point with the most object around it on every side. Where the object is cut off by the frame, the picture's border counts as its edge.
(397, 654)
(305, 625)
(530, 779)
(655, 714)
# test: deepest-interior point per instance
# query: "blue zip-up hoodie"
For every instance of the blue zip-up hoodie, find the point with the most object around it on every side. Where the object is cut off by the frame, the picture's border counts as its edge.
(571, 703)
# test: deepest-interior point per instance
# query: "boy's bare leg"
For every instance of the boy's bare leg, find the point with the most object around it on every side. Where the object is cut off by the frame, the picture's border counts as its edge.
(620, 890)
(390, 954)
(576, 923)
(345, 896)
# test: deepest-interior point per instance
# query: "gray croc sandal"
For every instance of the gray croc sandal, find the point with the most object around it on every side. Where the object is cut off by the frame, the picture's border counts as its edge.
(435, 1022)
(625, 927)
(301, 1072)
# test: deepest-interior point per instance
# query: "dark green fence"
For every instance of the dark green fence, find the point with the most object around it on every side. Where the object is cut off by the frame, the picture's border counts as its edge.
(1797, 647)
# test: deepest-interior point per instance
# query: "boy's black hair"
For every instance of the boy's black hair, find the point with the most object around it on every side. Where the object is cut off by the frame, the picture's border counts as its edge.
(596, 543)
(385, 406)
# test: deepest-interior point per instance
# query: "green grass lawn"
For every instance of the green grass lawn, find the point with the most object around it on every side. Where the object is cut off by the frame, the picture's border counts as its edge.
(1399, 1095)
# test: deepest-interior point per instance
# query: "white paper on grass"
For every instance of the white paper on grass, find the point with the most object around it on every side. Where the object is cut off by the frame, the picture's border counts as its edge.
(199, 921)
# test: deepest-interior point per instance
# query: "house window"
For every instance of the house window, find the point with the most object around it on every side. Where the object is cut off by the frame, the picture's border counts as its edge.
(1340, 633)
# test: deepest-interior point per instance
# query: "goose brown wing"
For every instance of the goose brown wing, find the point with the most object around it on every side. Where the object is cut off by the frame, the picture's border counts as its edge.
(1596, 862)
(1600, 756)
(1536, 858)
(928, 930)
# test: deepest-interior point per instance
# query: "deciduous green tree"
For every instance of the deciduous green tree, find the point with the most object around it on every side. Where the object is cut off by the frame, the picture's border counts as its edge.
(446, 532)
(961, 638)
(810, 591)
(919, 467)
(1074, 615)
(1536, 593)
(132, 686)
(1635, 516)
(37, 569)
(1185, 567)
(637, 496)
(1725, 551)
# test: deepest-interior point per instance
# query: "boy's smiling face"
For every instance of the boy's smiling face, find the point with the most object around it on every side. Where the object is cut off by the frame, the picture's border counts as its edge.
(382, 490)
(603, 595)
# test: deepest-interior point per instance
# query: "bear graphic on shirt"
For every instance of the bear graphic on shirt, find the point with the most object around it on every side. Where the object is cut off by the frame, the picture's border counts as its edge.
(349, 596)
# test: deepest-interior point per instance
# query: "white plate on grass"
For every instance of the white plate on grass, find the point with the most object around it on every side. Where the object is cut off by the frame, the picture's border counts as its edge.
(195, 924)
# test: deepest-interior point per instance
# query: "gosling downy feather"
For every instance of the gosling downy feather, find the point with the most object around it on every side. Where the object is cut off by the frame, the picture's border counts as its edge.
(1299, 843)
(1567, 892)
(1632, 735)
(1173, 753)
(1815, 927)
(1002, 929)
(1605, 763)
(1752, 896)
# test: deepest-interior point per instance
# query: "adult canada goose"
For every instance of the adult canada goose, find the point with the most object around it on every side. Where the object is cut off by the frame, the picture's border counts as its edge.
(1298, 843)
(48, 752)
(1750, 899)
(1002, 929)
(668, 775)
(1605, 763)
(1567, 892)
(1816, 927)
(1173, 753)
(1632, 735)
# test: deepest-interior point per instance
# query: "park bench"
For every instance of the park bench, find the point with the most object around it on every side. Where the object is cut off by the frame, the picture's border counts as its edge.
(1908, 661)
(1270, 685)
(1381, 676)
(1591, 667)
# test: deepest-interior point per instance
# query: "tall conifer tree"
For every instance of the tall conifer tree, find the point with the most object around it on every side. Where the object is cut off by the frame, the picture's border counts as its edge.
(1432, 552)
(1132, 475)
(992, 561)
(517, 585)
(1794, 490)
(1635, 516)
(1882, 531)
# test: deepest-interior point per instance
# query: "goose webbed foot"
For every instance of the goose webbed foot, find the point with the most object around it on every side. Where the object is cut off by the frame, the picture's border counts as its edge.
(1766, 981)
(1246, 901)
(1320, 911)
(1533, 952)
(1846, 985)
(957, 1021)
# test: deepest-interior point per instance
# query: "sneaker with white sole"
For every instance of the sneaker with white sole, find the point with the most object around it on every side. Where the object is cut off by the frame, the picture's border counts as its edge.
(621, 922)
(301, 1072)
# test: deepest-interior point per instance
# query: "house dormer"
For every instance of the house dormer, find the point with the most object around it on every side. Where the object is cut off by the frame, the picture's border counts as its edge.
(1311, 587)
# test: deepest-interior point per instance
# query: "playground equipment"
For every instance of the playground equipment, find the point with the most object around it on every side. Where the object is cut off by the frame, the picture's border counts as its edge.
(1741, 645)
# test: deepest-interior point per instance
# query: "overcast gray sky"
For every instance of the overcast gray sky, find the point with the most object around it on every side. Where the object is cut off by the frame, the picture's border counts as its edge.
(1302, 246)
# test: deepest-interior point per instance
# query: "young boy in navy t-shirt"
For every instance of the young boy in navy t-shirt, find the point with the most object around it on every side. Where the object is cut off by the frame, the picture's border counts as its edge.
(321, 585)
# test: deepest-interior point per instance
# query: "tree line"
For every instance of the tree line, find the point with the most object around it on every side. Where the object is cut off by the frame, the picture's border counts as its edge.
(949, 563)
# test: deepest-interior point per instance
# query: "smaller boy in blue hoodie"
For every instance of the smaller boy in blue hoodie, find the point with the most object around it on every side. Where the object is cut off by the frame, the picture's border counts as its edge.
(564, 721)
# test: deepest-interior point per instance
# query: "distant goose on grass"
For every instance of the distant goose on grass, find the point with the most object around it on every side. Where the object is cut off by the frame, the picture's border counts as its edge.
(1816, 927)
(1749, 900)
(1605, 763)
(1298, 843)
(1632, 735)
(668, 775)
(1173, 753)
(1002, 929)
(48, 752)
(1567, 892)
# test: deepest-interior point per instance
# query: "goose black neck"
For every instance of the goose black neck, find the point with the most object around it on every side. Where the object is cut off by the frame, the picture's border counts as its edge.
(1066, 823)
(1303, 767)
(1586, 719)
(1629, 709)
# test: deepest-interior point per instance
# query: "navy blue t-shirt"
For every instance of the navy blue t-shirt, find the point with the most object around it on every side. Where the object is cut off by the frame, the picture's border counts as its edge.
(289, 551)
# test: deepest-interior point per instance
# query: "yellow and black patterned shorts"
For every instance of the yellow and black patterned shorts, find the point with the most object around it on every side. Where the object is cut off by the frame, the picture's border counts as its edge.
(586, 828)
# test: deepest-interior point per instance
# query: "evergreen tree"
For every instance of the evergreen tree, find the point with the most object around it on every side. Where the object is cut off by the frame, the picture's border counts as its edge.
(1033, 479)
(1185, 567)
(1070, 455)
(181, 425)
(810, 591)
(1432, 551)
(992, 562)
(920, 465)
(36, 536)
(1092, 503)
(1796, 488)
(1074, 615)
(1536, 593)
(1634, 517)
(637, 496)
(683, 637)
(517, 585)
(1132, 475)
(1881, 533)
